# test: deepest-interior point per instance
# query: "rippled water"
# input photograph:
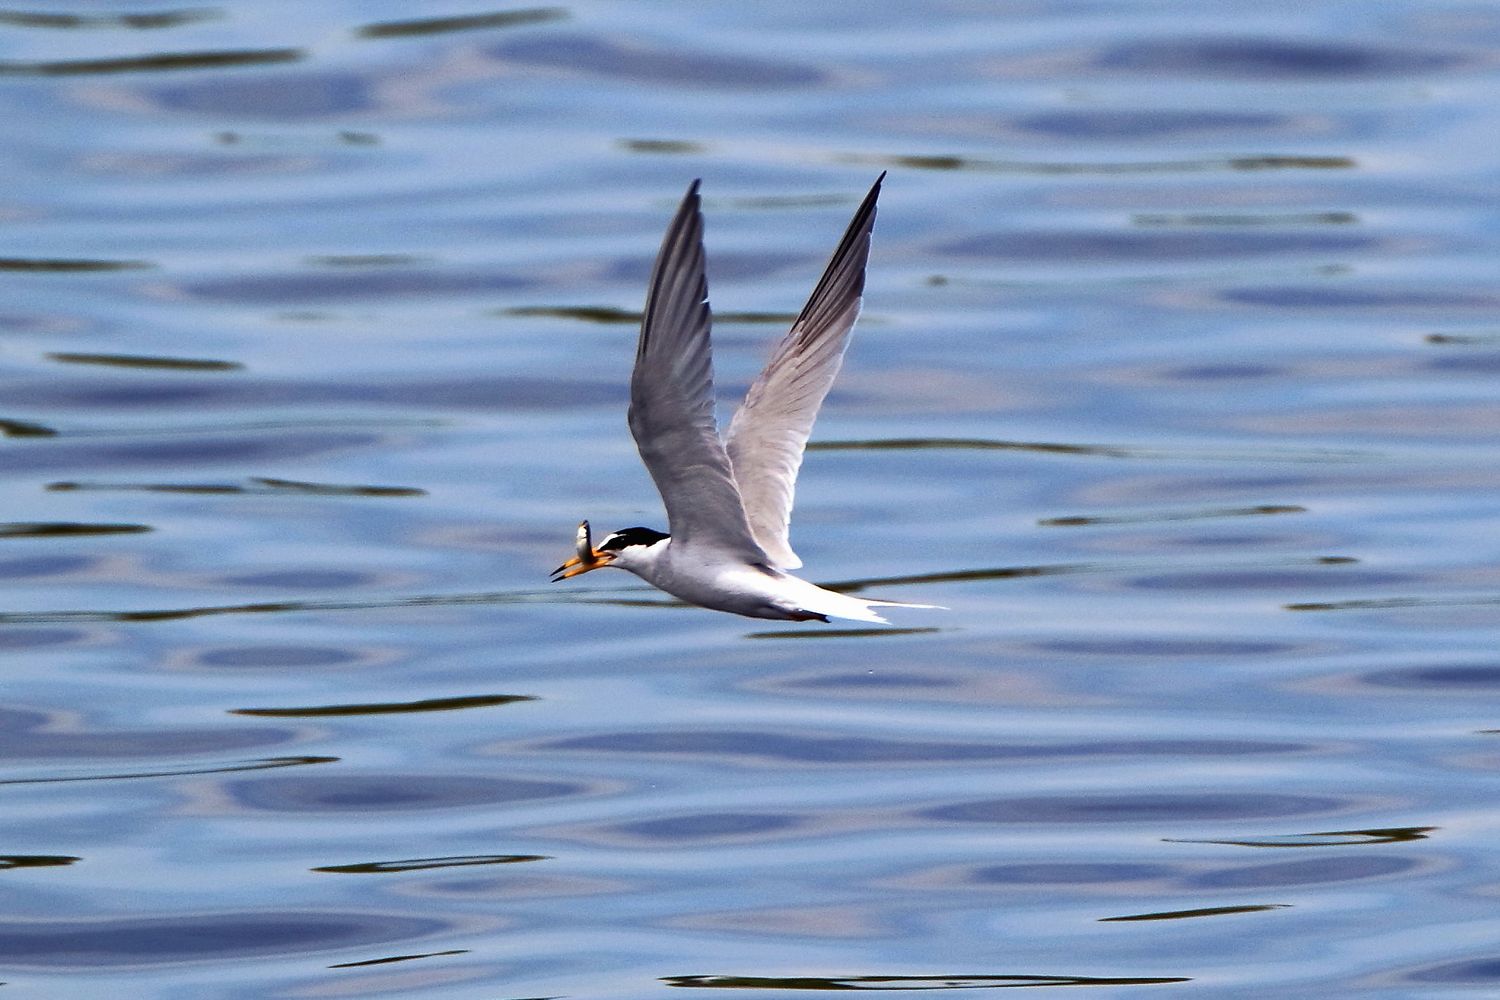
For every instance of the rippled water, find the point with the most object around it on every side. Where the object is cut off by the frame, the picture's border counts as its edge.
(1176, 384)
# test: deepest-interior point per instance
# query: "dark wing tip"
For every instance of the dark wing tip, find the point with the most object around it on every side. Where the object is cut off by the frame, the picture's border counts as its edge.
(843, 280)
(678, 265)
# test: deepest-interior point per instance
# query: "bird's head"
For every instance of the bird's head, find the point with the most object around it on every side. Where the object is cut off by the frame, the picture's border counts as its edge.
(624, 548)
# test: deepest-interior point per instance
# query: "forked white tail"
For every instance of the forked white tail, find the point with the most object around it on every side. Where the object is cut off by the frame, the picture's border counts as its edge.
(859, 609)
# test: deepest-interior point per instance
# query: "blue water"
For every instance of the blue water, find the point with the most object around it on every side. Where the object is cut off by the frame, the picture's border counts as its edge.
(1176, 385)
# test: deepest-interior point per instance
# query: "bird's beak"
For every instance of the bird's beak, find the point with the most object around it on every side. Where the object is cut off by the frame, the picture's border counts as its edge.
(577, 566)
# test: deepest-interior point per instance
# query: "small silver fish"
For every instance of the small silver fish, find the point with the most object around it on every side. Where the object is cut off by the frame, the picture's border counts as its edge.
(585, 544)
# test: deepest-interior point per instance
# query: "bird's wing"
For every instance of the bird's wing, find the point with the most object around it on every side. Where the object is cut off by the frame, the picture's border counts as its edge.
(672, 398)
(770, 429)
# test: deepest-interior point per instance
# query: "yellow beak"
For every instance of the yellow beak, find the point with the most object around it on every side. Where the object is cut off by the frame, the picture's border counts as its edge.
(576, 566)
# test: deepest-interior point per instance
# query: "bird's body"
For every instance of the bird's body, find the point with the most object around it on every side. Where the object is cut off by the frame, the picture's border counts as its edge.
(729, 501)
(755, 591)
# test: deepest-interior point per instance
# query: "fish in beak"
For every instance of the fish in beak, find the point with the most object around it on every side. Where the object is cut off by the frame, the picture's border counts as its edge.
(587, 558)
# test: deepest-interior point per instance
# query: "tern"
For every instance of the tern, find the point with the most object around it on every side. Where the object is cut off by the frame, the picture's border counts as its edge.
(729, 501)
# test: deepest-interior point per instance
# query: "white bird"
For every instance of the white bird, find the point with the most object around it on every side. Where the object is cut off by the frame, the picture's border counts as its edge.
(729, 502)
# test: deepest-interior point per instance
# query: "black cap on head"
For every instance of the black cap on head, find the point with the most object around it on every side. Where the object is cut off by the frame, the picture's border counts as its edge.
(627, 537)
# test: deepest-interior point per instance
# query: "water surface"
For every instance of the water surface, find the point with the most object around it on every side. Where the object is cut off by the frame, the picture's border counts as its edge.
(1176, 385)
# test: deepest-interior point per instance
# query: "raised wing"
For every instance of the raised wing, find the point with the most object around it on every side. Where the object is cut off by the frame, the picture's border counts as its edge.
(770, 429)
(672, 398)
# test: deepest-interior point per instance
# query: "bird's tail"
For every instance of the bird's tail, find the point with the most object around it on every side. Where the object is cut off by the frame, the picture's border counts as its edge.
(897, 604)
(860, 609)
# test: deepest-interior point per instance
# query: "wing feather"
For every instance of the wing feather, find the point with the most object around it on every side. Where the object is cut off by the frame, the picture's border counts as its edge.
(769, 431)
(672, 398)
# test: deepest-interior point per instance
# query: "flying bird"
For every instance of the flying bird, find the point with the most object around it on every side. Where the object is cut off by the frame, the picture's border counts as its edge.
(729, 501)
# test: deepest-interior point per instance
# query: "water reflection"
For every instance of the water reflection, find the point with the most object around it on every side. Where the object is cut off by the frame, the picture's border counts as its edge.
(1080, 520)
(1155, 124)
(28, 735)
(836, 923)
(979, 164)
(352, 792)
(641, 63)
(36, 860)
(154, 63)
(1158, 647)
(842, 633)
(1334, 838)
(399, 958)
(25, 428)
(1385, 603)
(51, 567)
(1475, 339)
(258, 485)
(1153, 807)
(910, 982)
(1438, 678)
(231, 768)
(125, 942)
(708, 828)
(1264, 219)
(765, 748)
(1084, 246)
(1312, 871)
(304, 94)
(1202, 911)
(1483, 972)
(314, 322)
(1245, 575)
(1139, 878)
(468, 22)
(657, 147)
(144, 361)
(957, 576)
(1249, 577)
(911, 685)
(1210, 57)
(278, 656)
(39, 638)
(47, 566)
(1101, 450)
(609, 315)
(367, 260)
(386, 707)
(69, 529)
(1344, 297)
(69, 265)
(140, 21)
(428, 864)
(362, 284)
